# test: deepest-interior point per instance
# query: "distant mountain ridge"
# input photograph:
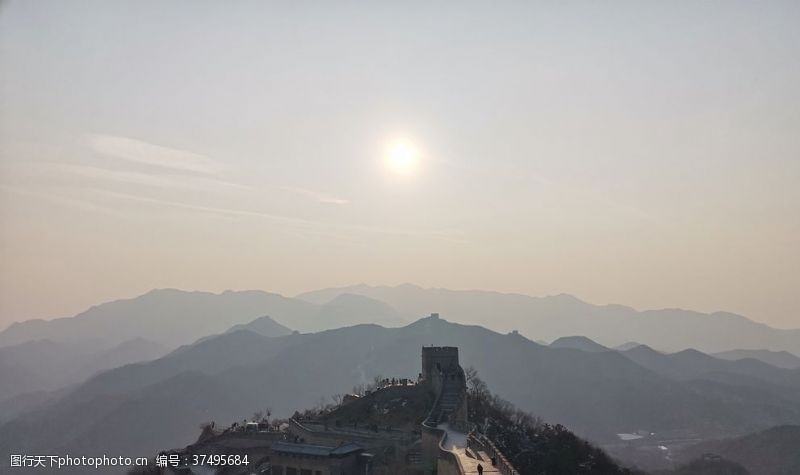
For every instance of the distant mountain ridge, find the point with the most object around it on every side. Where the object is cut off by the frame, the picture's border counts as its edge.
(775, 451)
(781, 359)
(45, 355)
(627, 346)
(597, 394)
(549, 318)
(175, 317)
(44, 365)
(264, 326)
(691, 364)
(578, 343)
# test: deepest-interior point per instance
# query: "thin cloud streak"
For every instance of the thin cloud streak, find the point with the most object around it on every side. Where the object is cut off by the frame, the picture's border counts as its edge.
(62, 200)
(150, 154)
(316, 196)
(163, 181)
(300, 222)
(208, 209)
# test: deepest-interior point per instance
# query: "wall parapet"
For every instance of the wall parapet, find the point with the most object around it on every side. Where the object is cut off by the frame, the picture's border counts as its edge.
(479, 442)
(433, 443)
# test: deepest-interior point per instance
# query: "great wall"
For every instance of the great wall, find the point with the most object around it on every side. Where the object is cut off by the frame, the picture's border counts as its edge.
(445, 442)
(450, 442)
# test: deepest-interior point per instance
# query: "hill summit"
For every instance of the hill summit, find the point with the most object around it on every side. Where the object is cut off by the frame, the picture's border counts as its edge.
(400, 425)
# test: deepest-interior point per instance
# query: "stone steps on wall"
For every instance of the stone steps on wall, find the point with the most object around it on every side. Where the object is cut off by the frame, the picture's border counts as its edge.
(449, 398)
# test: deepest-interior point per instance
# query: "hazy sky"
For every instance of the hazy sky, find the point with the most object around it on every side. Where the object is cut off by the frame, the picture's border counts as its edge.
(645, 153)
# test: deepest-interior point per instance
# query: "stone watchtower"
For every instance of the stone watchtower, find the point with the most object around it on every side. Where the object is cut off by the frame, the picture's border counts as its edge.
(437, 359)
(444, 376)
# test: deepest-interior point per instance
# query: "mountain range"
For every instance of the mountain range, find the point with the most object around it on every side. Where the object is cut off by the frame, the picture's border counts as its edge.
(144, 407)
(137, 375)
(781, 359)
(577, 343)
(44, 365)
(548, 318)
(775, 451)
(175, 317)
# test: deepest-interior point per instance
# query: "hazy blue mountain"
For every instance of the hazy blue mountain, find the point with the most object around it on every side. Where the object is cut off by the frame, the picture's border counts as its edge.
(775, 451)
(161, 403)
(170, 317)
(38, 365)
(44, 365)
(708, 464)
(781, 359)
(175, 317)
(264, 326)
(577, 343)
(323, 296)
(340, 310)
(13, 406)
(548, 318)
(127, 352)
(627, 346)
(693, 365)
(16, 380)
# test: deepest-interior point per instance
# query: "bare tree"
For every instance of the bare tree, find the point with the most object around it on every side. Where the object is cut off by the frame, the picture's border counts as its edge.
(359, 389)
(475, 385)
(376, 382)
(470, 373)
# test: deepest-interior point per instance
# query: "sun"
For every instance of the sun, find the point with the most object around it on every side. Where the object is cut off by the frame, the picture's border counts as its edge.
(402, 158)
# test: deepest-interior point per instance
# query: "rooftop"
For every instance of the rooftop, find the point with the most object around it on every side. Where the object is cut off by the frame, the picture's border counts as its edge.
(316, 450)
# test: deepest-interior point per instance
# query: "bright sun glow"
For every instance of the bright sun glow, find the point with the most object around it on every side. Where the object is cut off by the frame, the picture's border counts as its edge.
(403, 158)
